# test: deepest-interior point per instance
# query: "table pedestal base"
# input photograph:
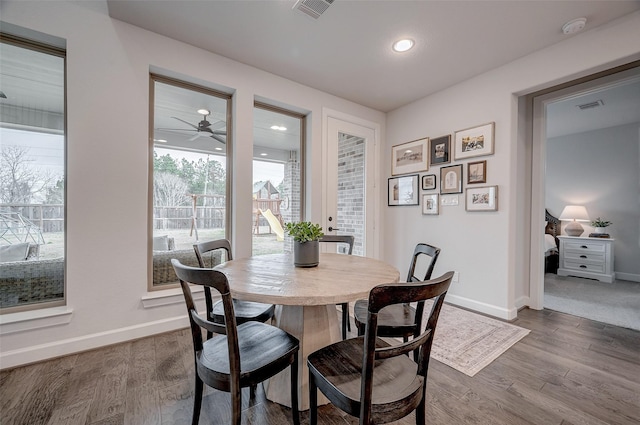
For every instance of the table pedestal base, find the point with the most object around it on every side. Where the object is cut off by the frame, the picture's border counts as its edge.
(316, 326)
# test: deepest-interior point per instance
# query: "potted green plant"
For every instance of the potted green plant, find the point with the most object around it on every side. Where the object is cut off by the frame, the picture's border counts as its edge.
(306, 246)
(599, 225)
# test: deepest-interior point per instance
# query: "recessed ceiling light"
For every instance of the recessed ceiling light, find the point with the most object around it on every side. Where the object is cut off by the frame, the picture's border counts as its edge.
(263, 154)
(403, 45)
(574, 26)
(203, 111)
(278, 127)
(159, 141)
(218, 149)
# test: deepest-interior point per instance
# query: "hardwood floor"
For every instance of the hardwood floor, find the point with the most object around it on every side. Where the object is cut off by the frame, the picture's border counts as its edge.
(568, 370)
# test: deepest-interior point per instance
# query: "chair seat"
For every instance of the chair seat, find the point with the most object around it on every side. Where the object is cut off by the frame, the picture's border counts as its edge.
(340, 366)
(245, 311)
(393, 320)
(257, 361)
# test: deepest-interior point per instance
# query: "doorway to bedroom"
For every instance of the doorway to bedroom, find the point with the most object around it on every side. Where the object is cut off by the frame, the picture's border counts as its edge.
(591, 159)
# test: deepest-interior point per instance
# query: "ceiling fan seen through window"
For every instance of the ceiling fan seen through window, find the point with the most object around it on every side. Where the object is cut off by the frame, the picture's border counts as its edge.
(203, 128)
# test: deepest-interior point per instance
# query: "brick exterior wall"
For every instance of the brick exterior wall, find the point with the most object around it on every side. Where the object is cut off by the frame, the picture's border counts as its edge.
(351, 151)
(291, 185)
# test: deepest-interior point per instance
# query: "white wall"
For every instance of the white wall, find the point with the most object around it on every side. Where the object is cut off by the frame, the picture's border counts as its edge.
(601, 170)
(108, 65)
(487, 248)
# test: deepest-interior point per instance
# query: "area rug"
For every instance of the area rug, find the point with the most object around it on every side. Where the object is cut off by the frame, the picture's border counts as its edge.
(468, 341)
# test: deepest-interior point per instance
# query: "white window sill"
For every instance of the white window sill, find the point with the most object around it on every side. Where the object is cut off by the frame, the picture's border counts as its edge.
(34, 319)
(170, 296)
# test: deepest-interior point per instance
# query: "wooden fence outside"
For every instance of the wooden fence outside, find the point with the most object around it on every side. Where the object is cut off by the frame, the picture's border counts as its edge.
(50, 217)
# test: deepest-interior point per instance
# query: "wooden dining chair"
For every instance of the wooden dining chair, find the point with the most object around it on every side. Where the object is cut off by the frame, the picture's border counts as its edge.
(239, 355)
(371, 379)
(401, 320)
(245, 311)
(349, 240)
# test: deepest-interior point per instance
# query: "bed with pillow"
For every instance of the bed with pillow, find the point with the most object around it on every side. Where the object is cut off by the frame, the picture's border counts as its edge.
(551, 244)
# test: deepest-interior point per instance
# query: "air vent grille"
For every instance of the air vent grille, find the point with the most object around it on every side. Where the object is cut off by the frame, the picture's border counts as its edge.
(313, 8)
(591, 105)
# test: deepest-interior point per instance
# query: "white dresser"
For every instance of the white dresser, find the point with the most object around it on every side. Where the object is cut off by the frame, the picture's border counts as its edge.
(586, 257)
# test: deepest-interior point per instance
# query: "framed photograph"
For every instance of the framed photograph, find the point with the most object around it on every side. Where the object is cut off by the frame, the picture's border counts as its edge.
(483, 198)
(428, 182)
(410, 157)
(477, 172)
(403, 190)
(451, 179)
(475, 141)
(439, 150)
(430, 204)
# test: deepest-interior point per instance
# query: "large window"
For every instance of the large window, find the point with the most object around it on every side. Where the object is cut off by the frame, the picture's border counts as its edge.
(189, 173)
(32, 175)
(278, 138)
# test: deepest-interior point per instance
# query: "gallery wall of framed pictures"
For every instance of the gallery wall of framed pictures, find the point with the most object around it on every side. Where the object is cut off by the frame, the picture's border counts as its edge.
(442, 186)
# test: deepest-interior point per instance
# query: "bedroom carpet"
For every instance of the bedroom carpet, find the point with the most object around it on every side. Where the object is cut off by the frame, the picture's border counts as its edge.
(616, 303)
(468, 341)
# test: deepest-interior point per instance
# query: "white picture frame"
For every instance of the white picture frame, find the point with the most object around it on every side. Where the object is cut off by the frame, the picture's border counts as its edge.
(483, 198)
(474, 141)
(410, 157)
(430, 204)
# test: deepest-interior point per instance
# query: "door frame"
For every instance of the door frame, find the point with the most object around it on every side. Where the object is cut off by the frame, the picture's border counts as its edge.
(596, 82)
(372, 248)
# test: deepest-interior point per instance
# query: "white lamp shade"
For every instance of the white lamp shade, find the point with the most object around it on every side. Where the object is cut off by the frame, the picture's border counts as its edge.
(574, 213)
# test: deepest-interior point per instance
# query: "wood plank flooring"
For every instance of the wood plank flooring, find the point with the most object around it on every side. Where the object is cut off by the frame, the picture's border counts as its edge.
(568, 370)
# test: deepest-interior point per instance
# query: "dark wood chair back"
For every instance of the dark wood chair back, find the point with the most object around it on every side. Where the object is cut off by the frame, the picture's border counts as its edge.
(349, 240)
(421, 251)
(209, 247)
(265, 350)
(346, 239)
(382, 296)
(209, 279)
(387, 384)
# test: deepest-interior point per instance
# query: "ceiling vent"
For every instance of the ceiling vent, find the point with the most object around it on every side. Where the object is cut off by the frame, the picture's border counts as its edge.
(591, 105)
(313, 8)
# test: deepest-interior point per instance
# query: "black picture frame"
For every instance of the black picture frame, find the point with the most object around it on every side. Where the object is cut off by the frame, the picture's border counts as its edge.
(403, 190)
(440, 150)
(429, 182)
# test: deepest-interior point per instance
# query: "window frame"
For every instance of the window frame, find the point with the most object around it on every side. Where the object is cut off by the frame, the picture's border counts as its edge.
(37, 46)
(303, 143)
(153, 78)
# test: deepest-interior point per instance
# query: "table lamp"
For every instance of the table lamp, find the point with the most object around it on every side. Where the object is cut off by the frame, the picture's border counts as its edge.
(575, 213)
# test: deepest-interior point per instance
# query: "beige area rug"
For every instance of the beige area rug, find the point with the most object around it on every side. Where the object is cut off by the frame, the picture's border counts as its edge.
(468, 341)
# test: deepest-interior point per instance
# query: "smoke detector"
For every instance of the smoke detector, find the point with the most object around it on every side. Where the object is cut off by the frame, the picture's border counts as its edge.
(313, 8)
(574, 26)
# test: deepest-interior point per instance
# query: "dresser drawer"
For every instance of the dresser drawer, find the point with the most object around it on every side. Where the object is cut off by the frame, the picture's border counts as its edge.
(584, 246)
(586, 267)
(585, 256)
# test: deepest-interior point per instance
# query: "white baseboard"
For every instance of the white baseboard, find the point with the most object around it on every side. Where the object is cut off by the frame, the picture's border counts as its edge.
(491, 310)
(628, 276)
(65, 347)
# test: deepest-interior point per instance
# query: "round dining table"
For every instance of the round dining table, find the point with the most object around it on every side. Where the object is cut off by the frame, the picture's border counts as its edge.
(305, 301)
